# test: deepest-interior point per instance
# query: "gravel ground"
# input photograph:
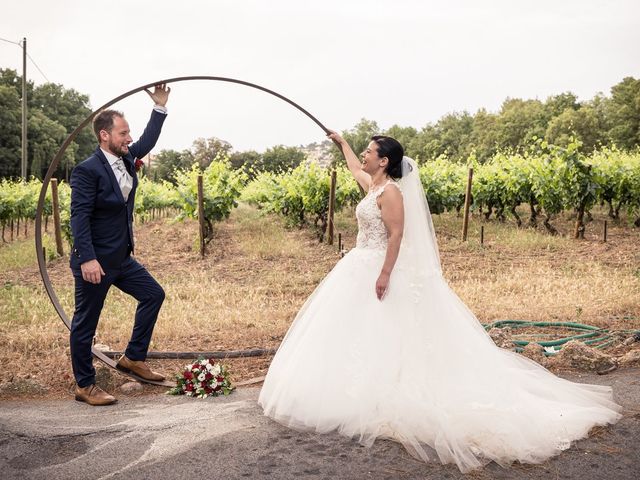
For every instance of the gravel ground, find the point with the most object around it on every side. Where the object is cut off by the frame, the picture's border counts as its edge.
(158, 436)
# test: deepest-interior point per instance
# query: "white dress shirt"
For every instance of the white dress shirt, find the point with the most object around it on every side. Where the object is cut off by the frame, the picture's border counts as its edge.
(117, 164)
(119, 170)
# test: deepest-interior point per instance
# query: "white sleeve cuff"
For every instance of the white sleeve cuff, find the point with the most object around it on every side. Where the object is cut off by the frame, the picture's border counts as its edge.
(160, 109)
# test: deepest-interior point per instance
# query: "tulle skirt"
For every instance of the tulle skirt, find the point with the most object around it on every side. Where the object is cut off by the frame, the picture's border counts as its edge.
(418, 367)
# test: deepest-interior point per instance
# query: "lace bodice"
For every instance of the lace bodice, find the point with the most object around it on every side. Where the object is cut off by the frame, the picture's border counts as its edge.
(372, 233)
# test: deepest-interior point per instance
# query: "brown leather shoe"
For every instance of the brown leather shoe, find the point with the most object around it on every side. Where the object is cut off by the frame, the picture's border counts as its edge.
(94, 395)
(138, 368)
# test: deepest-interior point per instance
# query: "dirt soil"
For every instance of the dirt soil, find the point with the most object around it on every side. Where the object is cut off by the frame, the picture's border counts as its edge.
(158, 436)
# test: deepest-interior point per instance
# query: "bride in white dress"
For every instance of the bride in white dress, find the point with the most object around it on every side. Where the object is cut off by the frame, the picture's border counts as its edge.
(383, 348)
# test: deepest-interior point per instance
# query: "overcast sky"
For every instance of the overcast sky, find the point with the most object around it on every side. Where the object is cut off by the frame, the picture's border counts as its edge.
(404, 62)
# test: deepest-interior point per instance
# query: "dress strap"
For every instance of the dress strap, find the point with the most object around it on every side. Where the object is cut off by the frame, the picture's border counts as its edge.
(381, 189)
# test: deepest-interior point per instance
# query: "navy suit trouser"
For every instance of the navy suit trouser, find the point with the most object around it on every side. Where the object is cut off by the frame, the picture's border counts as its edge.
(133, 279)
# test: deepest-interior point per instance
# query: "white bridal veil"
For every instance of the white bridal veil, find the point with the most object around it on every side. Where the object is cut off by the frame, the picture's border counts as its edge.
(419, 251)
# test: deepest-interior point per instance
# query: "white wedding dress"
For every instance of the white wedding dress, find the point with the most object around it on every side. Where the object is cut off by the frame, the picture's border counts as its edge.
(417, 366)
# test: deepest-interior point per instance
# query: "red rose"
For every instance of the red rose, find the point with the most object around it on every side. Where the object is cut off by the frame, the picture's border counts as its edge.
(188, 375)
(208, 376)
(189, 387)
(139, 164)
(217, 387)
(220, 379)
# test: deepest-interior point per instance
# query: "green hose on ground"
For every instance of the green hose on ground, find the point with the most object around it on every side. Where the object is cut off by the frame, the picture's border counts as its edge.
(596, 337)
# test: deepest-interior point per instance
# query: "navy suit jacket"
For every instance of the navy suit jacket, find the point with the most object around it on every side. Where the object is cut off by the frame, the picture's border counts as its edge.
(101, 220)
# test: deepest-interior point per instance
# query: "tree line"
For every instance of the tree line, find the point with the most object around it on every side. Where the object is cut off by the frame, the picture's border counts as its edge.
(603, 121)
(53, 113)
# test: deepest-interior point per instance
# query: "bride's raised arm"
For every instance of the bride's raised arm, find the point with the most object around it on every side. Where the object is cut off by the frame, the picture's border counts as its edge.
(355, 167)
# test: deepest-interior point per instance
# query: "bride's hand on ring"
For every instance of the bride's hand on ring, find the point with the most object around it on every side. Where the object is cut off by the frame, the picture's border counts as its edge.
(335, 137)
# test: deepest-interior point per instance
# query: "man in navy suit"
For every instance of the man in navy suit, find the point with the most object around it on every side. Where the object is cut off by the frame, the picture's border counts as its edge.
(103, 189)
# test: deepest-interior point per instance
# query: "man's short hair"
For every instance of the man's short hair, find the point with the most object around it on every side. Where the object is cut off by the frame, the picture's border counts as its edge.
(104, 121)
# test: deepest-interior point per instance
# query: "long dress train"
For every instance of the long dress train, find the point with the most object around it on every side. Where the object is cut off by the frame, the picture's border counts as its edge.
(419, 368)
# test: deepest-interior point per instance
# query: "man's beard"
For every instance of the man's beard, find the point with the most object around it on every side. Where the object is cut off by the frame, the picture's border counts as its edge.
(117, 150)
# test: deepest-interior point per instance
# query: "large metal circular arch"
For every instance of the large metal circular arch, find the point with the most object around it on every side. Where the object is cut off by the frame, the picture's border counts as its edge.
(56, 161)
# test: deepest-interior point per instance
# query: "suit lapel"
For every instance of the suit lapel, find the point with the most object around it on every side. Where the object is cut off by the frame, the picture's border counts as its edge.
(110, 174)
(130, 163)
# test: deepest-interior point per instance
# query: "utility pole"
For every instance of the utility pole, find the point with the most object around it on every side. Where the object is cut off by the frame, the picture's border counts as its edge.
(23, 169)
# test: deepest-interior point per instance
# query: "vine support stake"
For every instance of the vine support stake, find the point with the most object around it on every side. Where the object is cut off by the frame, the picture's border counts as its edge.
(201, 214)
(56, 216)
(481, 234)
(332, 206)
(604, 236)
(467, 204)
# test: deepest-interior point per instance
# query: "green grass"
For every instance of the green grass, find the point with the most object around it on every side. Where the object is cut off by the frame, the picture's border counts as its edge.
(257, 274)
(21, 253)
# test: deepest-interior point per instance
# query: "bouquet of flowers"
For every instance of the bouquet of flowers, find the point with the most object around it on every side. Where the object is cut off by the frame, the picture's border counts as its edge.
(203, 378)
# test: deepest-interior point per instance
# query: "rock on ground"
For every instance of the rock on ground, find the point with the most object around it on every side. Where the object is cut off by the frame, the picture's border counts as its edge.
(131, 387)
(576, 354)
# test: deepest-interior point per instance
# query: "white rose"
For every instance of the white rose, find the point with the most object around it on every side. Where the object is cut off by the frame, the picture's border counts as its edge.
(201, 377)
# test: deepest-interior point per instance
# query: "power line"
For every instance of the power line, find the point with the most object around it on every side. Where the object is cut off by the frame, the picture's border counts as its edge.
(11, 41)
(36, 65)
(28, 56)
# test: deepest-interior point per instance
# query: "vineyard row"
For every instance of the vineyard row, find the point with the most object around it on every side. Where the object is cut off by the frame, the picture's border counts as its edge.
(549, 181)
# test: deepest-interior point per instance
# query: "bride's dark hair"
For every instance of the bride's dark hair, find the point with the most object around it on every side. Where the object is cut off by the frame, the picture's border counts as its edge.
(390, 148)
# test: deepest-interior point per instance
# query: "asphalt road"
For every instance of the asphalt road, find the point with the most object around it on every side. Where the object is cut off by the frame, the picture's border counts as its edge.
(159, 436)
